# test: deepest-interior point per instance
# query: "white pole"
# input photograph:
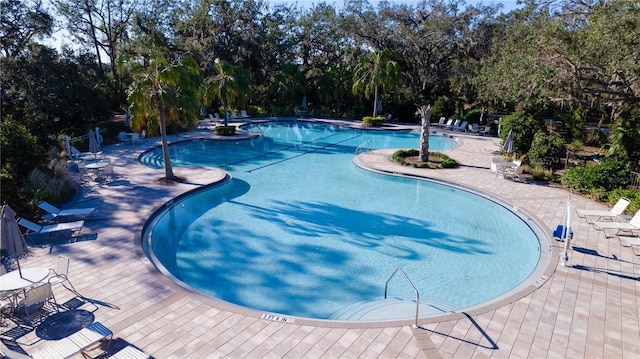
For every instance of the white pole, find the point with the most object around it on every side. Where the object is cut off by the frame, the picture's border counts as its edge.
(567, 234)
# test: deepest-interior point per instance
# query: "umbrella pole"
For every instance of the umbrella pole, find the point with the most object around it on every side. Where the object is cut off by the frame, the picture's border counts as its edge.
(567, 235)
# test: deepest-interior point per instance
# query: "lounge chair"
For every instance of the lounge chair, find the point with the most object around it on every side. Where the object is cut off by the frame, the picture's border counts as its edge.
(448, 124)
(441, 122)
(78, 342)
(244, 114)
(633, 242)
(631, 226)
(130, 352)
(461, 127)
(55, 213)
(474, 128)
(67, 228)
(614, 213)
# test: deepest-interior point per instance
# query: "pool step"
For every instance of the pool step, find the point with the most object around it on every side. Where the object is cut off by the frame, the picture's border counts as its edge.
(388, 309)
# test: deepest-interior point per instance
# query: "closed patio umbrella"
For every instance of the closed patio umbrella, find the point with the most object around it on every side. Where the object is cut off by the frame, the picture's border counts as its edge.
(94, 147)
(304, 103)
(11, 237)
(508, 143)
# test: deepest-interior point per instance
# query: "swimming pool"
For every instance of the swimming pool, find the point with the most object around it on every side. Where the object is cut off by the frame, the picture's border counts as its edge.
(301, 231)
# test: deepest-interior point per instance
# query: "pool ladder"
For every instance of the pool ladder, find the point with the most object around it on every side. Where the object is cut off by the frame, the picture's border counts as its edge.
(365, 146)
(257, 129)
(415, 325)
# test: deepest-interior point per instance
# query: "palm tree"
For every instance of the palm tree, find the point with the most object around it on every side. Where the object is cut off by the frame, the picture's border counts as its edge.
(425, 114)
(163, 90)
(374, 71)
(229, 84)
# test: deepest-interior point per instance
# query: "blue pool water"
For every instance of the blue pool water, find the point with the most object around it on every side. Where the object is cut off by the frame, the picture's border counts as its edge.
(301, 231)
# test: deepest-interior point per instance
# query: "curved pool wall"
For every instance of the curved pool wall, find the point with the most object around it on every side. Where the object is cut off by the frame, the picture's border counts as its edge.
(235, 188)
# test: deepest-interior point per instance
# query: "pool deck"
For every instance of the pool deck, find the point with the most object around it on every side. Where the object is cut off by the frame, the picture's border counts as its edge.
(590, 309)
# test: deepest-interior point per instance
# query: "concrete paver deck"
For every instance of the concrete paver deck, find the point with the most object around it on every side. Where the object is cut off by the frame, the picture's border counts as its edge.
(590, 309)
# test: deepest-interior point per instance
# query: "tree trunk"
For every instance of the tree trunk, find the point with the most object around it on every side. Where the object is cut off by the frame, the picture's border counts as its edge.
(425, 113)
(168, 170)
(375, 102)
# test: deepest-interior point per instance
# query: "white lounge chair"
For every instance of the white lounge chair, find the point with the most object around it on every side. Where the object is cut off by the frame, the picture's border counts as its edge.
(633, 242)
(614, 213)
(68, 228)
(55, 213)
(630, 227)
(130, 352)
(76, 343)
(244, 114)
(441, 122)
(461, 127)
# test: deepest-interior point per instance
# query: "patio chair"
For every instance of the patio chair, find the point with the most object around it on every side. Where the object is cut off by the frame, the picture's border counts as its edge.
(67, 228)
(55, 213)
(38, 297)
(631, 226)
(244, 114)
(60, 275)
(449, 123)
(614, 213)
(441, 122)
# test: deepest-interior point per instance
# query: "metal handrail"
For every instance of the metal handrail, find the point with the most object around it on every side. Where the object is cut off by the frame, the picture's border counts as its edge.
(415, 325)
(364, 147)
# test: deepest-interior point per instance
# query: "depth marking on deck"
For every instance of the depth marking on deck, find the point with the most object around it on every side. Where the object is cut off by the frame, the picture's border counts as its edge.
(540, 281)
(277, 318)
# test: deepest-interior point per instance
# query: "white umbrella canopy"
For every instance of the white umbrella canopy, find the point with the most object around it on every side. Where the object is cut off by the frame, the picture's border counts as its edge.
(94, 147)
(11, 237)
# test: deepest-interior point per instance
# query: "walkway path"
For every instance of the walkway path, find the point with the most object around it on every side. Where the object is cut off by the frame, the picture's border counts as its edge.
(588, 310)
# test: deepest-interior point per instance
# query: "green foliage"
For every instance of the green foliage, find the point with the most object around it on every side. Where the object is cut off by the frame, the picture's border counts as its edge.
(373, 121)
(595, 137)
(576, 145)
(375, 71)
(575, 123)
(625, 138)
(446, 162)
(546, 150)
(50, 186)
(599, 179)
(20, 152)
(443, 106)
(524, 128)
(473, 116)
(225, 130)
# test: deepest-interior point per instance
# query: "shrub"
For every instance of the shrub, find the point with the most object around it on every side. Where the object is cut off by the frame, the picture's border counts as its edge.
(442, 107)
(546, 150)
(225, 130)
(599, 179)
(373, 121)
(524, 127)
(401, 155)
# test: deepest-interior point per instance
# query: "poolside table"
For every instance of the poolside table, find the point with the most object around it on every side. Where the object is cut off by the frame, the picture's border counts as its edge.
(14, 282)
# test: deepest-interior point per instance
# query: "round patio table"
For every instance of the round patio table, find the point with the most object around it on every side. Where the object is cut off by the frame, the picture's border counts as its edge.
(13, 281)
